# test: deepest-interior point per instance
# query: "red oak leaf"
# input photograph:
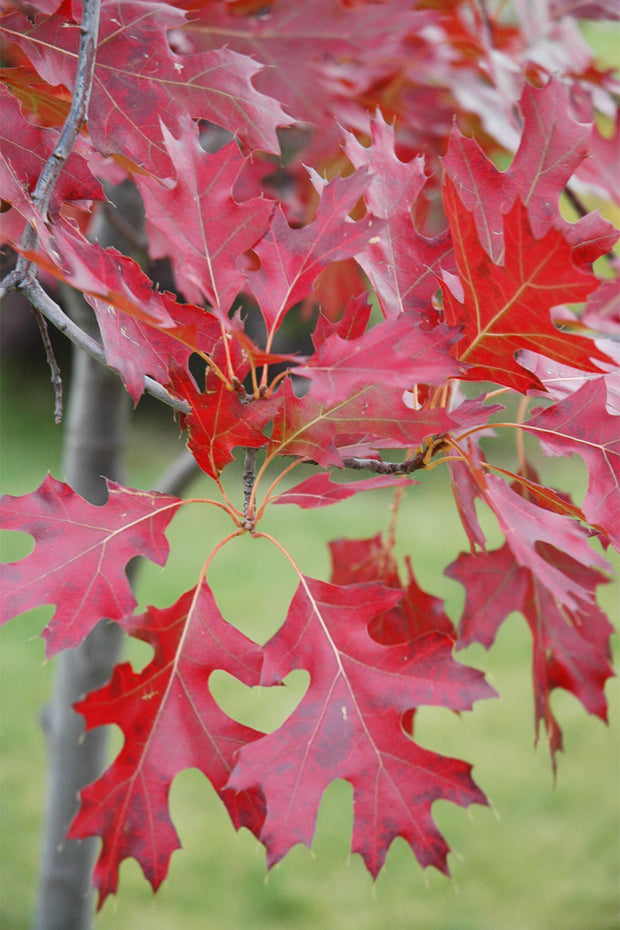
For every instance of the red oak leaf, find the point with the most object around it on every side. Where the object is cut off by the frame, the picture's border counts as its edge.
(291, 259)
(136, 349)
(320, 490)
(348, 725)
(46, 105)
(24, 149)
(417, 613)
(311, 59)
(219, 422)
(352, 324)
(553, 145)
(371, 418)
(600, 170)
(134, 91)
(170, 722)
(205, 231)
(532, 532)
(507, 307)
(401, 264)
(602, 312)
(570, 647)
(80, 555)
(104, 274)
(580, 425)
(399, 352)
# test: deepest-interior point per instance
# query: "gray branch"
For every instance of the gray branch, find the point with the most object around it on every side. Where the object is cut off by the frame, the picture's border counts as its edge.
(42, 302)
(387, 468)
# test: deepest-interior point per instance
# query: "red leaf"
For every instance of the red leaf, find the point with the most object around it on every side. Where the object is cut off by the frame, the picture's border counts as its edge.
(219, 422)
(24, 149)
(291, 259)
(507, 307)
(104, 274)
(580, 424)
(134, 91)
(349, 725)
(553, 145)
(401, 263)
(80, 555)
(527, 527)
(310, 69)
(352, 324)
(372, 418)
(137, 349)
(170, 722)
(320, 490)
(205, 229)
(570, 647)
(417, 613)
(398, 352)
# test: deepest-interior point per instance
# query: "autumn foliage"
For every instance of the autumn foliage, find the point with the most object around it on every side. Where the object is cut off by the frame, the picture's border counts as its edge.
(338, 156)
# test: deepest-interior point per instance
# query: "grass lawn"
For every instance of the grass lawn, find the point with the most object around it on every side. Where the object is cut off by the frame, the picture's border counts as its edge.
(540, 858)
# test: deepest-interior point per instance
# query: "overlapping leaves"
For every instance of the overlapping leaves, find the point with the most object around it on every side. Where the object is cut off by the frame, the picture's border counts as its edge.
(473, 285)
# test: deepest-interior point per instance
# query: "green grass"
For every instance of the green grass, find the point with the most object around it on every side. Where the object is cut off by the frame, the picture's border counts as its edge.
(541, 858)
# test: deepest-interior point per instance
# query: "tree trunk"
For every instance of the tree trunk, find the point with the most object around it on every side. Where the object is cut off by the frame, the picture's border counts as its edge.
(94, 440)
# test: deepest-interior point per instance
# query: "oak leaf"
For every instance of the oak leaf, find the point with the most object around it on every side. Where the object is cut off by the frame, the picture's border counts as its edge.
(204, 230)
(506, 307)
(348, 725)
(580, 425)
(570, 647)
(80, 555)
(133, 91)
(170, 722)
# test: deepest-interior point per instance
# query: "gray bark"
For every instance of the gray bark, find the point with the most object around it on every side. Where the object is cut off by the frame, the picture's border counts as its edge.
(94, 440)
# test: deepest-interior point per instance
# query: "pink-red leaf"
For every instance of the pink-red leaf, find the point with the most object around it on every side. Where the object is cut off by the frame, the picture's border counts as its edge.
(401, 263)
(205, 230)
(570, 647)
(135, 90)
(371, 418)
(348, 725)
(320, 490)
(80, 555)
(580, 425)
(291, 259)
(398, 352)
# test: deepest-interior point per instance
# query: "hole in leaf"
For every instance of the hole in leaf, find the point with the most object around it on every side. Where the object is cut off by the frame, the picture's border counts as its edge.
(265, 709)
(15, 545)
(138, 653)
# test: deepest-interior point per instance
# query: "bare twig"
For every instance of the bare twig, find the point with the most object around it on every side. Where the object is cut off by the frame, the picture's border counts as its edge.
(53, 364)
(42, 302)
(249, 477)
(388, 468)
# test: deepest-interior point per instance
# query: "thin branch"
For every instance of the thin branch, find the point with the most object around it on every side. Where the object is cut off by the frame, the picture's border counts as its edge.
(42, 302)
(89, 29)
(249, 477)
(54, 368)
(42, 194)
(10, 282)
(388, 468)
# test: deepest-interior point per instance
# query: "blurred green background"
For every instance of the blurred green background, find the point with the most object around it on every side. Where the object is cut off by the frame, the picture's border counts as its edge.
(541, 858)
